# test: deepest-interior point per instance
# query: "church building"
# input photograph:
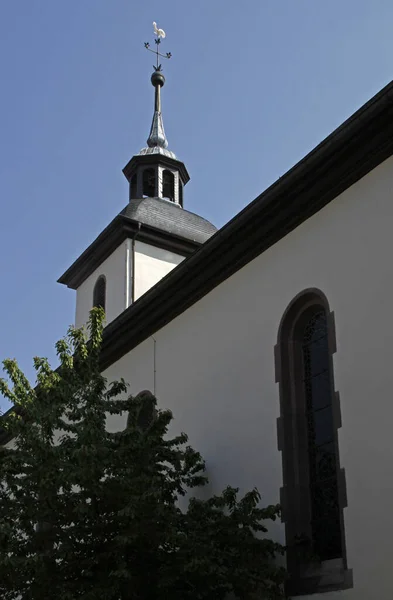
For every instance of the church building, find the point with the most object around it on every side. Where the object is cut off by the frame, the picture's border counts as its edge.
(268, 339)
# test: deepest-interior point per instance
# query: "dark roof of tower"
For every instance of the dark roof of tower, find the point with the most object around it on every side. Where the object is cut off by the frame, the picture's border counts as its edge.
(152, 220)
(169, 217)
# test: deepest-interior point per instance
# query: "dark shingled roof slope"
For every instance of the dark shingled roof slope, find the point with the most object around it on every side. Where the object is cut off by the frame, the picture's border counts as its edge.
(155, 221)
(169, 217)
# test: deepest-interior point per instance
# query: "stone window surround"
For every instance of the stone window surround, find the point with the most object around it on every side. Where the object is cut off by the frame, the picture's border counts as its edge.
(328, 575)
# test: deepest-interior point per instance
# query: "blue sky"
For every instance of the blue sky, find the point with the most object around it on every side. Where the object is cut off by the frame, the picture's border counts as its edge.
(251, 88)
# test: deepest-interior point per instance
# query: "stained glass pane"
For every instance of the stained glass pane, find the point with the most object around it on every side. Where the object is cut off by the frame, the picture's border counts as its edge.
(315, 328)
(325, 518)
(319, 357)
(318, 394)
(325, 461)
(323, 426)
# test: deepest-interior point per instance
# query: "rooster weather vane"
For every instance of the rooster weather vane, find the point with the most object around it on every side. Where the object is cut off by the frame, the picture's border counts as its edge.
(160, 34)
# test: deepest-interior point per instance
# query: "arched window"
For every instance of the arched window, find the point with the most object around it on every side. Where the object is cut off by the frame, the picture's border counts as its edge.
(313, 496)
(133, 187)
(99, 293)
(168, 185)
(149, 183)
(181, 194)
(145, 411)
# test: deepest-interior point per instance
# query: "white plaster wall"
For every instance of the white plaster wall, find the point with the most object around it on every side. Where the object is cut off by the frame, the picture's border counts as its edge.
(151, 265)
(215, 368)
(115, 270)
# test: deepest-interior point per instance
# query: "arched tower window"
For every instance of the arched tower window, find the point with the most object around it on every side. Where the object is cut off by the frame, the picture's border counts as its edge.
(180, 193)
(149, 183)
(168, 185)
(313, 496)
(133, 187)
(99, 293)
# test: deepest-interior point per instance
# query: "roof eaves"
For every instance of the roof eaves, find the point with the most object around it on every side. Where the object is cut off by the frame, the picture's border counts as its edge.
(112, 236)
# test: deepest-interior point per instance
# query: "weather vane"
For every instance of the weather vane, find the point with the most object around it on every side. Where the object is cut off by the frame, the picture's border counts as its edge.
(160, 34)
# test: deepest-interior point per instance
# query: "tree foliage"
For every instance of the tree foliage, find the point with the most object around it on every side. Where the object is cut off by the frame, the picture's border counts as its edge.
(93, 514)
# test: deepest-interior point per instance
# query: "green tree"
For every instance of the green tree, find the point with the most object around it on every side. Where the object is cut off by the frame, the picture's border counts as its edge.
(87, 513)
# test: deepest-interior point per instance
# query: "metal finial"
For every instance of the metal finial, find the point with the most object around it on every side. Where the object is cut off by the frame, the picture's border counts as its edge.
(160, 34)
(157, 140)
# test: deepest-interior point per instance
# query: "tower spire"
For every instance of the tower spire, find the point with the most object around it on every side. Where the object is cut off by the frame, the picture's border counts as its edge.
(157, 136)
(156, 172)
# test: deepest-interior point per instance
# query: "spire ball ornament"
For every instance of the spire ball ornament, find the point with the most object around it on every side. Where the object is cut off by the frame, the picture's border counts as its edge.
(160, 33)
(157, 78)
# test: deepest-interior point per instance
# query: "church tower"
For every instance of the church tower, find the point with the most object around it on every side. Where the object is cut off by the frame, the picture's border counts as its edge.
(150, 236)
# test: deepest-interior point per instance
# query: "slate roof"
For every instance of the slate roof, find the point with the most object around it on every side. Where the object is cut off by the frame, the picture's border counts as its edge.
(154, 221)
(169, 217)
